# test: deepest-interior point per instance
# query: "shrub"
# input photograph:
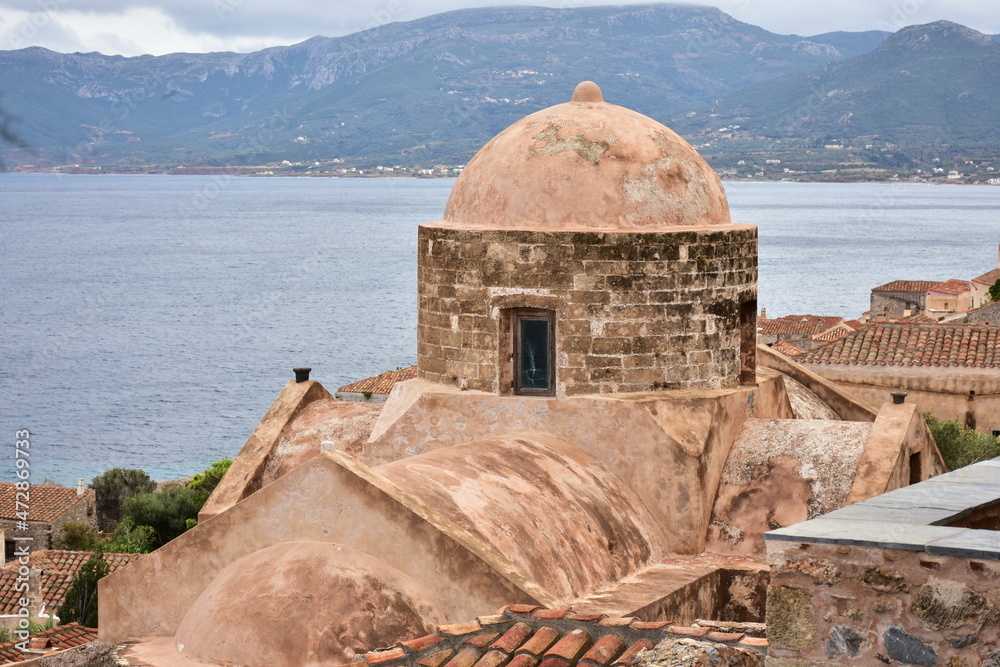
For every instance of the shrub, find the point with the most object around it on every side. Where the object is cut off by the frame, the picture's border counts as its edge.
(81, 599)
(131, 539)
(77, 536)
(205, 482)
(961, 446)
(113, 488)
(166, 512)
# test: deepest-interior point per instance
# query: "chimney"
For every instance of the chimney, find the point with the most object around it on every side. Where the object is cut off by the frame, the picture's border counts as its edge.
(763, 313)
(80, 486)
(301, 374)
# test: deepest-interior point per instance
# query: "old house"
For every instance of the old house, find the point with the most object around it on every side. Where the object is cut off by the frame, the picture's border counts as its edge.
(592, 427)
(799, 330)
(948, 297)
(981, 287)
(375, 389)
(949, 369)
(899, 298)
(38, 518)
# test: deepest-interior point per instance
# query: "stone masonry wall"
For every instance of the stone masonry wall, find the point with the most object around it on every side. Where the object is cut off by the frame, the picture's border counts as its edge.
(635, 311)
(859, 605)
(891, 305)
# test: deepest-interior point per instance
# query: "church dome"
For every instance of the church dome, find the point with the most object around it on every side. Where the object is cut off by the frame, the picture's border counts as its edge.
(587, 165)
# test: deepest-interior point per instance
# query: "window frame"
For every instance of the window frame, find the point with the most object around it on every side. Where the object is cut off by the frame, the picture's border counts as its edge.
(517, 316)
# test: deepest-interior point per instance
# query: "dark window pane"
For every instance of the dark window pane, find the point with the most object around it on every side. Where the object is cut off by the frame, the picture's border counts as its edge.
(534, 354)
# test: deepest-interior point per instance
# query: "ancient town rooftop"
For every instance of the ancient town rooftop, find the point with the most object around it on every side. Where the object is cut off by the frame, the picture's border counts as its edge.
(380, 384)
(907, 286)
(952, 286)
(63, 637)
(914, 345)
(48, 503)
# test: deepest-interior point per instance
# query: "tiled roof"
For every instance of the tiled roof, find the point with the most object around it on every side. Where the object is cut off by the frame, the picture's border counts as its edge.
(57, 571)
(907, 286)
(787, 349)
(914, 345)
(988, 278)
(953, 286)
(797, 324)
(855, 324)
(46, 503)
(526, 635)
(56, 560)
(834, 333)
(381, 384)
(56, 639)
(916, 318)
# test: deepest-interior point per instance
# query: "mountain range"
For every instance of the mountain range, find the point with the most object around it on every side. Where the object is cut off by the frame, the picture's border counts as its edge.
(435, 89)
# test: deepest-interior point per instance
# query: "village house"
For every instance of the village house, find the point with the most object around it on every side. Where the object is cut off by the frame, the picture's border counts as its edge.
(950, 370)
(948, 297)
(51, 575)
(900, 298)
(799, 330)
(375, 389)
(592, 428)
(48, 509)
(981, 287)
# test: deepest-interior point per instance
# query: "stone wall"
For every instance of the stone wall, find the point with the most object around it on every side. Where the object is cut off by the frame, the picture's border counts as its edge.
(891, 305)
(634, 311)
(831, 604)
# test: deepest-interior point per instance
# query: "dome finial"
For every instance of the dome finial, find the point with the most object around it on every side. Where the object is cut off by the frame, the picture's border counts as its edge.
(587, 91)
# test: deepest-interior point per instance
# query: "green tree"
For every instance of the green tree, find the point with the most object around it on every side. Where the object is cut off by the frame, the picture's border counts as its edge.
(961, 446)
(131, 539)
(995, 291)
(113, 488)
(77, 536)
(167, 512)
(205, 482)
(81, 599)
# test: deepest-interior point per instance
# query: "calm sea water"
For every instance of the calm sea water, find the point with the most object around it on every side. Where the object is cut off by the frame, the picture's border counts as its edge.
(149, 321)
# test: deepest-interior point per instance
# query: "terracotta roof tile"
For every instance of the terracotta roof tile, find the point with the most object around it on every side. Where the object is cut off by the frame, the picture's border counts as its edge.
(529, 639)
(47, 503)
(460, 628)
(834, 333)
(492, 619)
(523, 660)
(436, 659)
(380, 384)
(514, 637)
(974, 346)
(855, 324)
(954, 287)
(467, 656)
(570, 647)
(57, 569)
(628, 656)
(483, 639)
(422, 643)
(788, 349)
(540, 642)
(907, 286)
(917, 318)
(604, 650)
(797, 324)
(493, 658)
(988, 278)
(56, 639)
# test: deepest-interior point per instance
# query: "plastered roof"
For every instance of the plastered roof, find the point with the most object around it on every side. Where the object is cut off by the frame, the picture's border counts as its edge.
(587, 165)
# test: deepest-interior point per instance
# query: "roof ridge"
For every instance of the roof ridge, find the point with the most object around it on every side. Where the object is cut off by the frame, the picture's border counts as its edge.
(519, 635)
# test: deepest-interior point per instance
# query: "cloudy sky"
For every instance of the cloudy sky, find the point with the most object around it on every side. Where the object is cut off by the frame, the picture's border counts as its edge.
(134, 27)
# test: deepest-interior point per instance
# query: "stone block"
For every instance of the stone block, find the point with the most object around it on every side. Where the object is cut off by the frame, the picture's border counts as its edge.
(790, 621)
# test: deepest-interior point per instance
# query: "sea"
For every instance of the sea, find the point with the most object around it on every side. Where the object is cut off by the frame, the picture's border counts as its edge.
(150, 321)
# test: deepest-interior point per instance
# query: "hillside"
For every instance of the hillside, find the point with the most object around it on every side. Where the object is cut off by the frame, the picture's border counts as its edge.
(924, 89)
(412, 93)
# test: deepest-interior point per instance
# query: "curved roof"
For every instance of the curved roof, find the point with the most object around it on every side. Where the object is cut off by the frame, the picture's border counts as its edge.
(541, 502)
(587, 165)
(303, 603)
